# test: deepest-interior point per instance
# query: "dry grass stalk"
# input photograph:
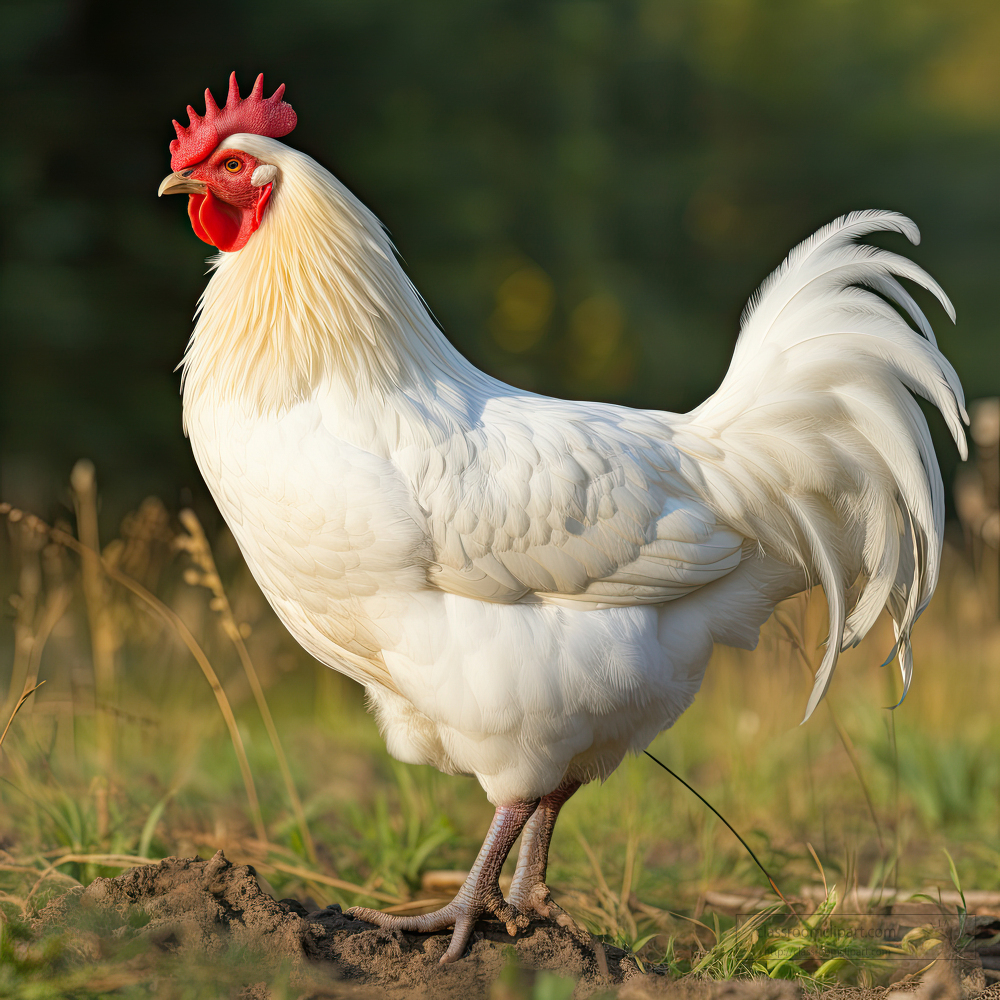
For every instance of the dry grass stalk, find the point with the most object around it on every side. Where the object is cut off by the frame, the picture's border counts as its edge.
(628, 879)
(24, 697)
(57, 602)
(611, 913)
(207, 575)
(266, 857)
(28, 542)
(794, 628)
(104, 637)
(174, 620)
(171, 618)
(35, 617)
(262, 858)
(338, 883)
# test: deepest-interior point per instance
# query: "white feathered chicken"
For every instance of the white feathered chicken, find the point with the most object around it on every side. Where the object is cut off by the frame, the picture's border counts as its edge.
(529, 588)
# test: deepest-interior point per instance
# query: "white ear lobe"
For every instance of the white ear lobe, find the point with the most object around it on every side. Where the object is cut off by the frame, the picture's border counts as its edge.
(264, 174)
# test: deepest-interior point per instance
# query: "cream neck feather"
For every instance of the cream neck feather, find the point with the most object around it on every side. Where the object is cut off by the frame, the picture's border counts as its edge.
(316, 294)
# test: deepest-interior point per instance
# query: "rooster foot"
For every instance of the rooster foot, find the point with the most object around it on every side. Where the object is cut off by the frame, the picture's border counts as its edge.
(529, 895)
(479, 895)
(460, 913)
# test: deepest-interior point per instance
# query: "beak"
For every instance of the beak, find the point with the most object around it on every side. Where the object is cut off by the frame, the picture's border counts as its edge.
(180, 183)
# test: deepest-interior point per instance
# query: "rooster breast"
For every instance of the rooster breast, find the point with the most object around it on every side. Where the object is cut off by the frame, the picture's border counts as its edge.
(328, 529)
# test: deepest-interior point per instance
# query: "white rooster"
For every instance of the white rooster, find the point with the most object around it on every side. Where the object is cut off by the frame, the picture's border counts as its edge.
(529, 588)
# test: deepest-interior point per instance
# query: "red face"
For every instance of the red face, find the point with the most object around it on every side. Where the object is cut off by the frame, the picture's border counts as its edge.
(227, 210)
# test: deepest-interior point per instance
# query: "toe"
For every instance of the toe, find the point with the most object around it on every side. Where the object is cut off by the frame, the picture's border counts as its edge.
(424, 923)
(363, 913)
(533, 903)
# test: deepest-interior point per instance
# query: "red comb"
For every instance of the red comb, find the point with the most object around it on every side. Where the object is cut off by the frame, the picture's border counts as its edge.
(256, 114)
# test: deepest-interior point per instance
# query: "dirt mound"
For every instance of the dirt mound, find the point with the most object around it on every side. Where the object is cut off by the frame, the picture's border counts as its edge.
(208, 923)
(212, 911)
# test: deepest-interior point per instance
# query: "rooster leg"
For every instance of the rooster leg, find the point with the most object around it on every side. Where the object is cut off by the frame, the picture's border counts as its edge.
(528, 892)
(479, 894)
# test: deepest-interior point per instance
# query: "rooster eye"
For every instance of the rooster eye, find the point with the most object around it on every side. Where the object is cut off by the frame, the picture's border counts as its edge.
(234, 166)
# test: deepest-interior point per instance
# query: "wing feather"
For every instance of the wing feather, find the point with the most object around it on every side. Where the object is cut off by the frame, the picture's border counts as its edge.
(546, 498)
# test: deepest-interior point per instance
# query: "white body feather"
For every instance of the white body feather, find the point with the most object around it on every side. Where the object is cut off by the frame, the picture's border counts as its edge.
(530, 588)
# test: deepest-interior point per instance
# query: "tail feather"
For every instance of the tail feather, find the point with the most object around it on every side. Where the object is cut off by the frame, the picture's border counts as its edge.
(819, 449)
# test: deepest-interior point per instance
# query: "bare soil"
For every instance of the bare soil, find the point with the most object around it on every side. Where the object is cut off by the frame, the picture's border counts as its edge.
(190, 915)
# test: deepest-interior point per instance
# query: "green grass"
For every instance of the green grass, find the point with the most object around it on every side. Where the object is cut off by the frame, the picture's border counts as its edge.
(140, 761)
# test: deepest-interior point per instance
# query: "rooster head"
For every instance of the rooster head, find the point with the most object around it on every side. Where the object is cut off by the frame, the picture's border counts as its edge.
(228, 189)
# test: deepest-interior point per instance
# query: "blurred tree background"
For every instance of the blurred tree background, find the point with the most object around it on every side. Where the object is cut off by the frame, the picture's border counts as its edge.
(586, 192)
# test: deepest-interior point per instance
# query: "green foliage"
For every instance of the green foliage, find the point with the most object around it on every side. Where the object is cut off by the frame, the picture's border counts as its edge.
(818, 950)
(402, 830)
(953, 782)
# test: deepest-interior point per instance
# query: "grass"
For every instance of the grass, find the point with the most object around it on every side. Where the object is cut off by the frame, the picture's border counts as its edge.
(177, 716)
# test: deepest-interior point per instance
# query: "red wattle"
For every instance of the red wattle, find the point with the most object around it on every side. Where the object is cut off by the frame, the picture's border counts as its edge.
(222, 225)
(194, 204)
(215, 221)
